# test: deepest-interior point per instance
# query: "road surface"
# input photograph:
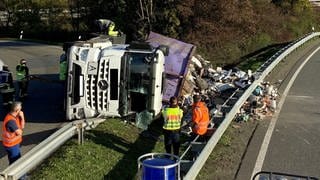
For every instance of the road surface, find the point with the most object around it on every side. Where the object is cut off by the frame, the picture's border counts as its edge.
(290, 141)
(295, 143)
(43, 106)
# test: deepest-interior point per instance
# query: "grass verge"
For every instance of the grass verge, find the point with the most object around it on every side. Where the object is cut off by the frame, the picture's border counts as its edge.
(110, 151)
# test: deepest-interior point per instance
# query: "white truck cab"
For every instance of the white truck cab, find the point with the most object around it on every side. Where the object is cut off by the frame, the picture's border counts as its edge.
(114, 80)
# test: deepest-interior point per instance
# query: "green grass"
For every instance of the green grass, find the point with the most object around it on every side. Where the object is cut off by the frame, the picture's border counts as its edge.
(109, 152)
(255, 60)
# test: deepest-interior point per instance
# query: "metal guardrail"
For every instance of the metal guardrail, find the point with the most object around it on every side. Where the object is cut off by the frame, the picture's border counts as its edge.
(36, 155)
(260, 74)
(43, 150)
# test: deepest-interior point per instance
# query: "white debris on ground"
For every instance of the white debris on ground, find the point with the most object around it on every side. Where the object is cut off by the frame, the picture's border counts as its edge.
(216, 85)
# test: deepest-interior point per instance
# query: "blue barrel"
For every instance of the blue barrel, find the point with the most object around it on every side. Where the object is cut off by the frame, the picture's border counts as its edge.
(159, 166)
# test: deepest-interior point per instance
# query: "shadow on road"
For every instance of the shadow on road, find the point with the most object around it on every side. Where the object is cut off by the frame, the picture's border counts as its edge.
(44, 103)
(18, 44)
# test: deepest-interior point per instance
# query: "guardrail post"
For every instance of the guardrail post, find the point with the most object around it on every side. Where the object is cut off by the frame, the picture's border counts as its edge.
(80, 130)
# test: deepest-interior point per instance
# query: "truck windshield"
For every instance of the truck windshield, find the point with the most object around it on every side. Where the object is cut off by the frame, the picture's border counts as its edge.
(139, 80)
(139, 73)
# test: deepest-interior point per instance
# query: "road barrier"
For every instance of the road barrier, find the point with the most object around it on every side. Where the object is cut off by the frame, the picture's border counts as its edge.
(192, 167)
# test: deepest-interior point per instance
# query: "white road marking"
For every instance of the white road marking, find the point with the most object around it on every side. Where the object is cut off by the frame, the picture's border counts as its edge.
(302, 97)
(267, 137)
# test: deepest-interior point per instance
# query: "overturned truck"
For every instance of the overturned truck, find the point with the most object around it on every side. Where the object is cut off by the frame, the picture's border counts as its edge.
(119, 80)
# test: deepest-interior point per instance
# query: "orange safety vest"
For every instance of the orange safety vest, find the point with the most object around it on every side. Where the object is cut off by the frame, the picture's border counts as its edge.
(10, 139)
(200, 118)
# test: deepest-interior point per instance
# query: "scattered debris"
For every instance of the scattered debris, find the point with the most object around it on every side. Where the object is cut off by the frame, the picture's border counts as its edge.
(262, 102)
(216, 85)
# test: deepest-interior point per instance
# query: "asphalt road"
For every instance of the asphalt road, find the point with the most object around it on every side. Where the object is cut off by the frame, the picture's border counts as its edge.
(294, 146)
(43, 106)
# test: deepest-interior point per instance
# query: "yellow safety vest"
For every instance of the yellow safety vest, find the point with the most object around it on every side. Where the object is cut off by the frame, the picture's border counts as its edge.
(172, 118)
(21, 72)
(63, 70)
(111, 31)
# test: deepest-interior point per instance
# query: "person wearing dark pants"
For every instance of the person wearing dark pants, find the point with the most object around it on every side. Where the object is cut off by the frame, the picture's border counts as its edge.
(22, 71)
(12, 128)
(172, 140)
(13, 153)
(172, 116)
(13, 124)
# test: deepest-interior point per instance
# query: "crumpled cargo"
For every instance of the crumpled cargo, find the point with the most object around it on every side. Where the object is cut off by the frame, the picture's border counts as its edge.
(220, 85)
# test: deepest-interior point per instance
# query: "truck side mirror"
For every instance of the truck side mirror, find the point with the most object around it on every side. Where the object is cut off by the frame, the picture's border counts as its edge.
(164, 49)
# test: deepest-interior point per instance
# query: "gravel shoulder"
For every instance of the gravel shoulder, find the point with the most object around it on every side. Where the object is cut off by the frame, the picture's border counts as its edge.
(232, 157)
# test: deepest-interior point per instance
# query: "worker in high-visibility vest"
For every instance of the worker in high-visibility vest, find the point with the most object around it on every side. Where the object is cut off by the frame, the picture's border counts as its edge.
(63, 67)
(200, 116)
(22, 72)
(200, 121)
(172, 117)
(111, 31)
(12, 127)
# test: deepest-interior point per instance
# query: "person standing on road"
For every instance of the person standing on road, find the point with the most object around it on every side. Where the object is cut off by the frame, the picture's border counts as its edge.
(172, 116)
(22, 78)
(12, 127)
(63, 67)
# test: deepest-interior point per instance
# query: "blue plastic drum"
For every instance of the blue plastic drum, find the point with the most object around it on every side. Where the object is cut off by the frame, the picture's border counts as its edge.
(159, 167)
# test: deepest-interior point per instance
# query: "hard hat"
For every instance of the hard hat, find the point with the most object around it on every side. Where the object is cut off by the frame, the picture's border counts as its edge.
(23, 61)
